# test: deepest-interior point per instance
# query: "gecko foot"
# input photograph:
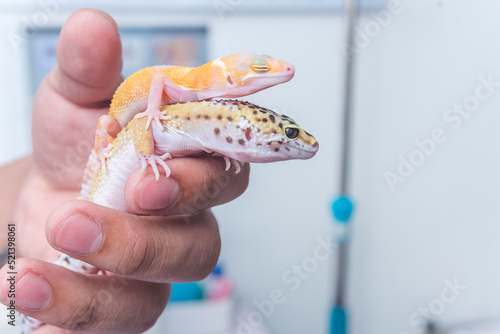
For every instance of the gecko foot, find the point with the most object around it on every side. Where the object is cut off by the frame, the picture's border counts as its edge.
(237, 164)
(103, 154)
(153, 160)
(153, 114)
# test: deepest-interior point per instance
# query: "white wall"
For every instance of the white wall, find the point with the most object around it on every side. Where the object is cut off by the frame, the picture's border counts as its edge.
(440, 224)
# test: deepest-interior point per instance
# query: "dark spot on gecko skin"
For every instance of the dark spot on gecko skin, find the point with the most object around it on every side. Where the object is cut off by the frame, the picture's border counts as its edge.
(276, 149)
(207, 117)
(219, 116)
(281, 125)
(286, 148)
(229, 118)
(241, 142)
(272, 118)
(188, 118)
(198, 116)
(217, 131)
(229, 140)
(255, 112)
(264, 120)
(269, 143)
(274, 131)
(262, 110)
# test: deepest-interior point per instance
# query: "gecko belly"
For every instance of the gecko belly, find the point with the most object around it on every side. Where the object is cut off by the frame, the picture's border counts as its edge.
(109, 185)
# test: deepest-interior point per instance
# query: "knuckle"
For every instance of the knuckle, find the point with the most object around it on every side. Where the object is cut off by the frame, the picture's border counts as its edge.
(137, 257)
(83, 317)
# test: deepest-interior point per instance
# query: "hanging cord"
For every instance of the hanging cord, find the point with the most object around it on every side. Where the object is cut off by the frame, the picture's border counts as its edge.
(342, 207)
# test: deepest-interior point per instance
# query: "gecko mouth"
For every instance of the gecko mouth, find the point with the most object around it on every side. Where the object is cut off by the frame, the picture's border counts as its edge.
(309, 149)
(314, 148)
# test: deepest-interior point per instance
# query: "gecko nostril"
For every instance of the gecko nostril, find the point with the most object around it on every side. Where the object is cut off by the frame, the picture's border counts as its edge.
(288, 68)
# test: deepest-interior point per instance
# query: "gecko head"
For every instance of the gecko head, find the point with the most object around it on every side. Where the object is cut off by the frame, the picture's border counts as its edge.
(275, 137)
(247, 73)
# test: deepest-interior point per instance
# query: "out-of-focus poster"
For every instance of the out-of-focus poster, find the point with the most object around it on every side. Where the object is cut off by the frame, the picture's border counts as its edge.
(142, 47)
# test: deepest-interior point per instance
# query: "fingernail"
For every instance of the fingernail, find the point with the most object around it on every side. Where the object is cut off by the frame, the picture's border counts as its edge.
(79, 234)
(157, 195)
(33, 292)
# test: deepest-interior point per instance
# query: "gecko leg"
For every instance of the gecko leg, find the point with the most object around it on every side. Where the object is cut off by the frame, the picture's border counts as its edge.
(174, 93)
(144, 145)
(107, 130)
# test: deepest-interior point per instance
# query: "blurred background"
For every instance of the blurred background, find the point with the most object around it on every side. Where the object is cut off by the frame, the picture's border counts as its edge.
(425, 234)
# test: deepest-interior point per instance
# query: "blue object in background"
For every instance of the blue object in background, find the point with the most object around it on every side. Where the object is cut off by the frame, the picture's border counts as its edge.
(182, 292)
(342, 209)
(218, 270)
(338, 322)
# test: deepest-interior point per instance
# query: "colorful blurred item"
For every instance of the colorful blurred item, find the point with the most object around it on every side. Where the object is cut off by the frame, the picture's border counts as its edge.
(208, 302)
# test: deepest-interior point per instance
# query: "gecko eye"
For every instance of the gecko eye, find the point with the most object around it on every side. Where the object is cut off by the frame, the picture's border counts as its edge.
(291, 132)
(260, 66)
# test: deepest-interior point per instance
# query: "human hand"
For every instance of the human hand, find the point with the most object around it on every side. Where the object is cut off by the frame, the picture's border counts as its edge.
(141, 253)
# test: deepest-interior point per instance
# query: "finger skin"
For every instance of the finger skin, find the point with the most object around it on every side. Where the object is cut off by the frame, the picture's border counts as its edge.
(203, 182)
(71, 98)
(48, 329)
(155, 249)
(89, 58)
(92, 303)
